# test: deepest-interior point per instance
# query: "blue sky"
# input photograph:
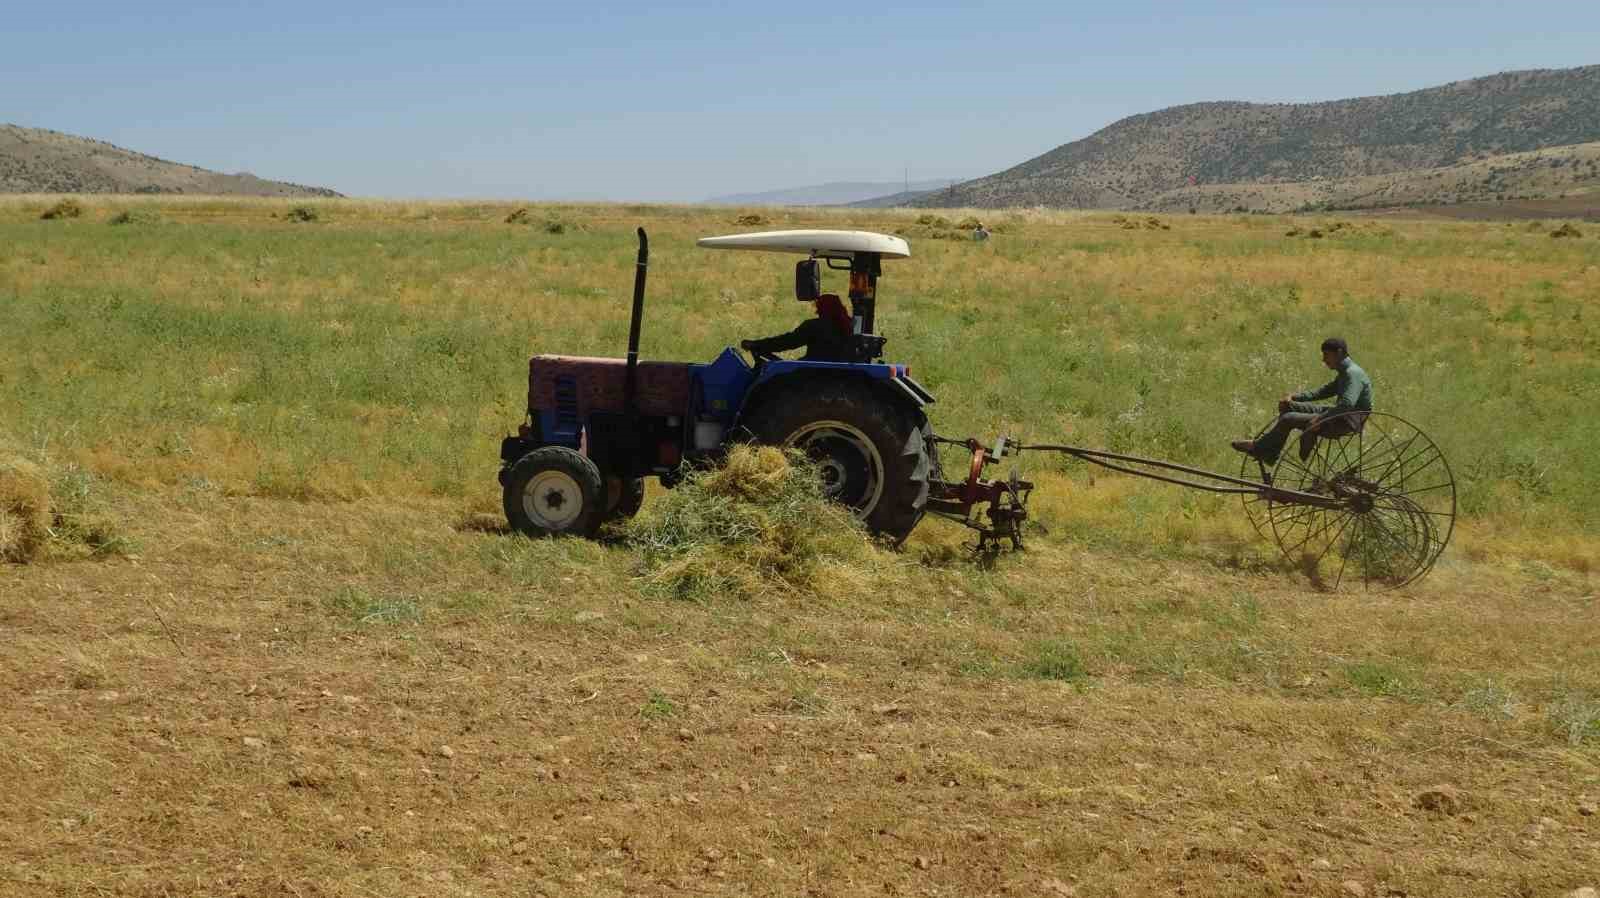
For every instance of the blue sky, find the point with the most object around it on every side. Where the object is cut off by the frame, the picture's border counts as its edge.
(661, 102)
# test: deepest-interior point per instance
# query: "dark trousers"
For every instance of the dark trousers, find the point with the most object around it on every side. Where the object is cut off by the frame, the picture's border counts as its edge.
(1299, 416)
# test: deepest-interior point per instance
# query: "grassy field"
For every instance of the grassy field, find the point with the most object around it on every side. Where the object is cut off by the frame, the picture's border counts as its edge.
(272, 646)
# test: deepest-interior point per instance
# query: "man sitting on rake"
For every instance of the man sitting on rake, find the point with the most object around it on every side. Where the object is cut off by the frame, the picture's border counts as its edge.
(825, 337)
(1351, 391)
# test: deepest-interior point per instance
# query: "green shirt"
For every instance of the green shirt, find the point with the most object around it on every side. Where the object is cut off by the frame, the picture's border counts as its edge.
(1351, 387)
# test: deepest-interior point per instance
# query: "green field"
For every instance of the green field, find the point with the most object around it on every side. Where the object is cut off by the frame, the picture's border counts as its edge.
(271, 447)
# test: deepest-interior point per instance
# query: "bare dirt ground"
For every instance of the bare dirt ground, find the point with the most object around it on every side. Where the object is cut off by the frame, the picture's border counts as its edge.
(292, 699)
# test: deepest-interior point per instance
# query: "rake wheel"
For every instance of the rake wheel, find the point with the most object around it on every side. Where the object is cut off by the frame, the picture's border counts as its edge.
(1395, 511)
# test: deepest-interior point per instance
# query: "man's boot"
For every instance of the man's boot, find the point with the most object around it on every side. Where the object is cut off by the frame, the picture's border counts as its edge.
(1308, 445)
(1248, 447)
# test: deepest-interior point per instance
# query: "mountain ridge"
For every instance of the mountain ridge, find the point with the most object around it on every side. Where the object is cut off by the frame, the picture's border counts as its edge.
(1131, 162)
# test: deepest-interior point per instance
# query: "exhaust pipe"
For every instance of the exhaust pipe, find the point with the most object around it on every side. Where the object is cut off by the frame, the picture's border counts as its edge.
(630, 384)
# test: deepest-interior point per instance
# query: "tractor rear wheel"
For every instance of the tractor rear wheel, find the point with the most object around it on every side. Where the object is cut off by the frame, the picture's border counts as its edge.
(554, 491)
(872, 451)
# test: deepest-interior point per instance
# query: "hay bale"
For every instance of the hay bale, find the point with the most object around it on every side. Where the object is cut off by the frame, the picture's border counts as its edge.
(24, 509)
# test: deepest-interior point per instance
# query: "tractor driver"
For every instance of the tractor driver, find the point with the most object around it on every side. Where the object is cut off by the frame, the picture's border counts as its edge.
(1351, 390)
(825, 337)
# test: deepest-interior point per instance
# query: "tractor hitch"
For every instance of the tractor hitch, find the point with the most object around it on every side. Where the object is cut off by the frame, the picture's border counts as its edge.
(996, 509)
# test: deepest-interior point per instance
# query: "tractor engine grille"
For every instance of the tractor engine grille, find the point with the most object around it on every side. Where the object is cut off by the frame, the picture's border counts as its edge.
(579, 387)
(566, 404)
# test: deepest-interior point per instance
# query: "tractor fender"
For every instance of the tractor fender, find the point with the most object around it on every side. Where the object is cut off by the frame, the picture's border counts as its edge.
(887, 381)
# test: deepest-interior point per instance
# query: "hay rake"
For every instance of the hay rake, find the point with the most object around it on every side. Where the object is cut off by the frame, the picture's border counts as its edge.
(1374, 507)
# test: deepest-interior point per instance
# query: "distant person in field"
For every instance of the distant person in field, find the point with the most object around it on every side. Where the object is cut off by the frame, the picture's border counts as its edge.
(1350, 390)
(825, 337)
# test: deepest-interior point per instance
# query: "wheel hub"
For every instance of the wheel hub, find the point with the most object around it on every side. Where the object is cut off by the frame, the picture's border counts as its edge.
(553, 500)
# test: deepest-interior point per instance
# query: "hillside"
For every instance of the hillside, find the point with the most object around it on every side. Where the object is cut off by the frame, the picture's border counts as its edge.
(1136, 160)
(35, 160)
(1564, 176)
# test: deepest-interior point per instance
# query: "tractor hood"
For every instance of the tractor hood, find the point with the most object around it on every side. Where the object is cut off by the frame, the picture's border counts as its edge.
(827, 244)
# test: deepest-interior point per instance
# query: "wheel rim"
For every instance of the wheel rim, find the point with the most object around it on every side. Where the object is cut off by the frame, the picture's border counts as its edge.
(1397, 513)
(553, 500)
(850, 465)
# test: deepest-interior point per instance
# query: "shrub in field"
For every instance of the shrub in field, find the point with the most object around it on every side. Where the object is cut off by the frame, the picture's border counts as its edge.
(555, 227)
(67, 208)
(301, 213)
(757, 524)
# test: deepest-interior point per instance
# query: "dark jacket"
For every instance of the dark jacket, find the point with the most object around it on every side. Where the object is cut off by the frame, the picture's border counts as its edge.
(821, 338)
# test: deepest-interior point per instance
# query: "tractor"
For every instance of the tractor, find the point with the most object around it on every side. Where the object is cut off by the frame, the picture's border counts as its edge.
(596, 427)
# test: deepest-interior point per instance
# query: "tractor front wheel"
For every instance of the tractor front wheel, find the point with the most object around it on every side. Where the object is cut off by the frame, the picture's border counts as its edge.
(554, 491)
(871, 451)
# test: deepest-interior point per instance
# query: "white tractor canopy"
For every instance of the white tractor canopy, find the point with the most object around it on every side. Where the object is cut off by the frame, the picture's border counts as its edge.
(826, 244)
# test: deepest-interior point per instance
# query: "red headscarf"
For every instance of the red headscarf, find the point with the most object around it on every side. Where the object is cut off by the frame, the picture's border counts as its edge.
(831, 309)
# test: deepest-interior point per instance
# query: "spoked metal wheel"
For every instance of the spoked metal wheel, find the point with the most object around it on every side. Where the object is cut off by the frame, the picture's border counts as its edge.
(1257, 508)
(850, 465)
(1394, 511)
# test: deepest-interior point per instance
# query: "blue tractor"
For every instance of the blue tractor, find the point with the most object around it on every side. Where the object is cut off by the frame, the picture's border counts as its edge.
(597, 427)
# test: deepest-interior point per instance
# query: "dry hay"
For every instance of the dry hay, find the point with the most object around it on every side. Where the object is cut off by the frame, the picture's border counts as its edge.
(1148, 223)
(1340, 229)
(51, 511)
(66, 208)
(24, 509)
(757, 524)
(937, 227)
(135, 217)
